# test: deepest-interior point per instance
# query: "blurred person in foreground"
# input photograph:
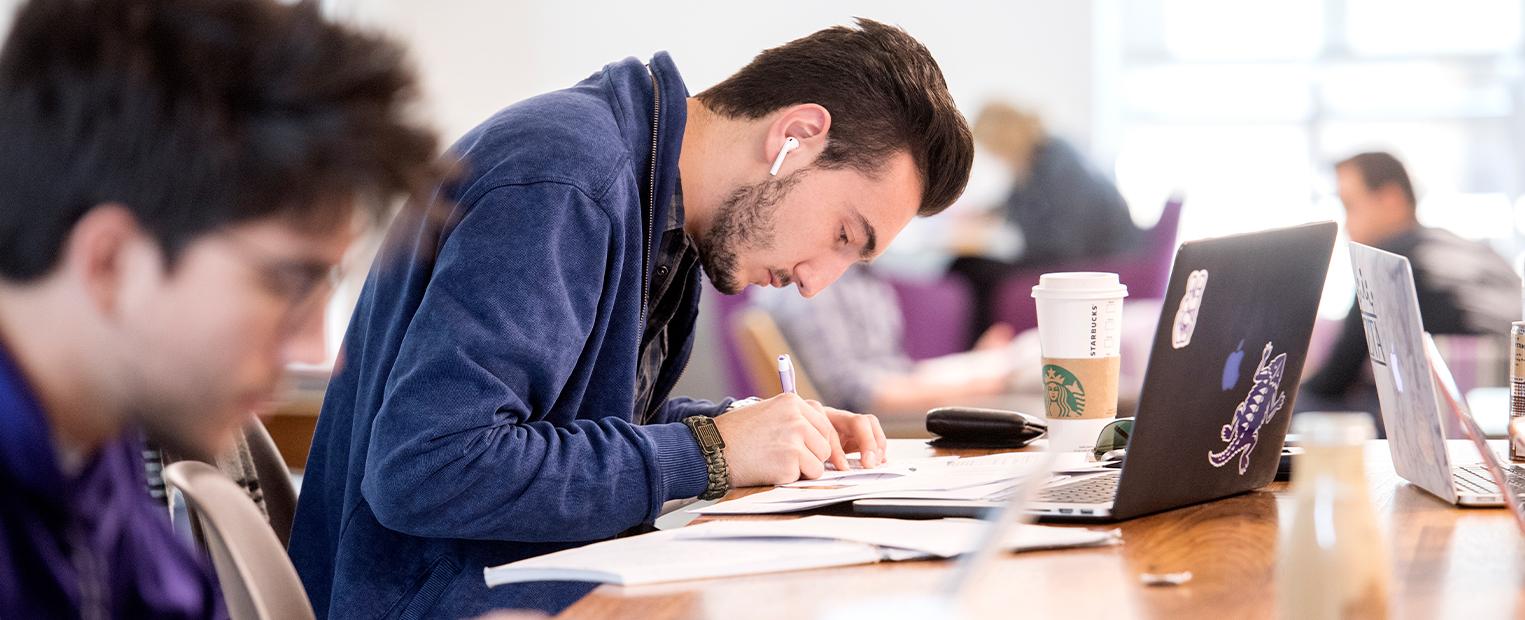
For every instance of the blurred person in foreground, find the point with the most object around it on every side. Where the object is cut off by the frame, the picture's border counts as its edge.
(178, 181)
(512, 357)
(1060, 205)
(1464, 287)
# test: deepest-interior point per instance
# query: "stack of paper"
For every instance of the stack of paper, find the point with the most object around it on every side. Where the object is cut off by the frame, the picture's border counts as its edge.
(729, 548)
(977, 478)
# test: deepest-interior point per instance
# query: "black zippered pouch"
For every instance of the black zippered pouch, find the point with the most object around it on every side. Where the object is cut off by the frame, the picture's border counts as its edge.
(972, 427)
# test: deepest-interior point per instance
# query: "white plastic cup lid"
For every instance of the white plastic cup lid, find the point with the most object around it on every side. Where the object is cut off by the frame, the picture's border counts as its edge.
(1079, 285)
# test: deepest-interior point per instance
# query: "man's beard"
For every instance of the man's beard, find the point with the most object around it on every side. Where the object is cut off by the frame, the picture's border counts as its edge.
(745, 221)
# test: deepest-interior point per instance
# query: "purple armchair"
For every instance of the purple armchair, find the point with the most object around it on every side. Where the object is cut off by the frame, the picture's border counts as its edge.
(1145, 270)
(936, 315)
(728, 308)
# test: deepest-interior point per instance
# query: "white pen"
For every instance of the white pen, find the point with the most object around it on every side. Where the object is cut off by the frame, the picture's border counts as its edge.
(786, 373)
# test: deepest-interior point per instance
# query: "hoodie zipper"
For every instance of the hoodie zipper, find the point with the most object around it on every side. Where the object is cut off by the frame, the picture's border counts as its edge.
(651, 216)
(651, 201)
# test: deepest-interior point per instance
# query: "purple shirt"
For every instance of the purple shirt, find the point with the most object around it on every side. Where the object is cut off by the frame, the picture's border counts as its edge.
(91, 546)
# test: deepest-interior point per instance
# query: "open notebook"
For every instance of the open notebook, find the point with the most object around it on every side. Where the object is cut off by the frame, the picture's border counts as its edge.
(731, 548)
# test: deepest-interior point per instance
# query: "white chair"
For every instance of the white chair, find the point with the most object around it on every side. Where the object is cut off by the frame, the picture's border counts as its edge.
(258, 580)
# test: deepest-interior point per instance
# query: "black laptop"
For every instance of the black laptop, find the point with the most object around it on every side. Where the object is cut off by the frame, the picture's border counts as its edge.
(1218, 394)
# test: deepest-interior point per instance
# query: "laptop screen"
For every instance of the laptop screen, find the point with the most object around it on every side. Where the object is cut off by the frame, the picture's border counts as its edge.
(1458, 407)
(1389, 307)
(1224, 370)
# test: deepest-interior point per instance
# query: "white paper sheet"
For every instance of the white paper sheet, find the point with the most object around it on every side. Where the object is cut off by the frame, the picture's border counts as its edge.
(661, 556)
(858, 474)
(938, 537)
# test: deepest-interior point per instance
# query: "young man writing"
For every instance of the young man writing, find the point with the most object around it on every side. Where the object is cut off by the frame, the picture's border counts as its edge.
(177, 180)
(507, 373)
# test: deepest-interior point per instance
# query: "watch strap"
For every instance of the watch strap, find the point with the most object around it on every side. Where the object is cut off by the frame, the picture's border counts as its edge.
(712, 446)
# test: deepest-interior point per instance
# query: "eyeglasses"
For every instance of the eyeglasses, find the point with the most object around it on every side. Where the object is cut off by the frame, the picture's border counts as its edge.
(1113, 439)
(299, 282)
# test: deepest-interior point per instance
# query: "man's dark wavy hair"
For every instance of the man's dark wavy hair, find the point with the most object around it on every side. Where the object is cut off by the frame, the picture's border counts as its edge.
(885, 94)
(196, 115)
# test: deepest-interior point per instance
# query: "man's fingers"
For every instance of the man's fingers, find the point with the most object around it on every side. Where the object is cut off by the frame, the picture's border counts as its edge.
(818, 445)
(884, 444)
(810, 465)
(850, 430)
(866, 437)
(817, 417)
(868, 444)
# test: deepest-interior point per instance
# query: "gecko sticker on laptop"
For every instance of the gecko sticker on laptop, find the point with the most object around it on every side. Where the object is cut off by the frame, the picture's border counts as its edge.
(1262, 403)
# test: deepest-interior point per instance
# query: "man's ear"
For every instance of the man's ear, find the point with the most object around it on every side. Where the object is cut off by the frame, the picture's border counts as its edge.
(806, 122)
(98, 253)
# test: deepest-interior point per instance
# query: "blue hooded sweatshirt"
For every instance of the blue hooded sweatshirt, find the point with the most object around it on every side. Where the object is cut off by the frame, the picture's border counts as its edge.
(484, 407)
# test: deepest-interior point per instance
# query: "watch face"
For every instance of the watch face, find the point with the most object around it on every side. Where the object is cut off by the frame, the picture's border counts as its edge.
(709, 436)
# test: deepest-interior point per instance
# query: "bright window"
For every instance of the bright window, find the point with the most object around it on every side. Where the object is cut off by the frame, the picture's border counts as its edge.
(1245, 106)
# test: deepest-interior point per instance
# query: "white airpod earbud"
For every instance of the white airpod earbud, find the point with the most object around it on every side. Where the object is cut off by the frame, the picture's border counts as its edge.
(789, 144)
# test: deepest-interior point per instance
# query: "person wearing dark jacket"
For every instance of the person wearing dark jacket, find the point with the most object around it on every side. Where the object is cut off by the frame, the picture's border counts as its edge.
(178, 180)
(505, 384)
(1064, 209)
(1463, 286)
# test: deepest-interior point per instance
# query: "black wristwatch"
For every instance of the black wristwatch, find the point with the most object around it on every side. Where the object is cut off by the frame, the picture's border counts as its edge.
(713, 448)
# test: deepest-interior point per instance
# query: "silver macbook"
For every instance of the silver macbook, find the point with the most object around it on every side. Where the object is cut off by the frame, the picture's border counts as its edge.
(1499, 471)
(1411, 405)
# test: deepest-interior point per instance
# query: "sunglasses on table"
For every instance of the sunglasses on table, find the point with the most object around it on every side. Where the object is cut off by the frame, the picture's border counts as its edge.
(1112, 441)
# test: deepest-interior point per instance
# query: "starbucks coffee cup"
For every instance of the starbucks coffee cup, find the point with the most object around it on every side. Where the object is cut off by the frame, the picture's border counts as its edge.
(1080, 316)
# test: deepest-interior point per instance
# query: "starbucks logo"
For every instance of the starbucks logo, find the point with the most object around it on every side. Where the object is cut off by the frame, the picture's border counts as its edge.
(1066, 397)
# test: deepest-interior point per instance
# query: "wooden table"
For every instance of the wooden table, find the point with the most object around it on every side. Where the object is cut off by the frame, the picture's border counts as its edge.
(1446, 562)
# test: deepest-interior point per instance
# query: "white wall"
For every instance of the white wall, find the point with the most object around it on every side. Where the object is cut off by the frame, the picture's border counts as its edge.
(477, 56)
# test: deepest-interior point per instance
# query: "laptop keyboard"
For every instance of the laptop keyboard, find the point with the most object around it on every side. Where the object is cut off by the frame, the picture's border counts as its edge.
(1095, 490)
(1475, 478)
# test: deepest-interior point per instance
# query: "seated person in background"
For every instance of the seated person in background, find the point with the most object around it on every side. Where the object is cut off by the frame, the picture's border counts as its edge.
(1064, 209)
(850, 339)
(179, 180)
(1464, 287)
